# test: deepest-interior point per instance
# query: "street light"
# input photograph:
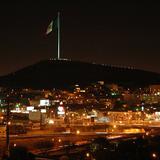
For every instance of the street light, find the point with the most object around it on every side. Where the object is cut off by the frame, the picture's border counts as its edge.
(77, 132)
(154, 155)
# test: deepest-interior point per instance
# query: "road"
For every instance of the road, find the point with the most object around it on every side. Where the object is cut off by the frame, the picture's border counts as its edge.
(38, 141)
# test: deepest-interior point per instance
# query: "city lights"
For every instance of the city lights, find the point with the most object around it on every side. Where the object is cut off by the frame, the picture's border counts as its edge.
(104, 103)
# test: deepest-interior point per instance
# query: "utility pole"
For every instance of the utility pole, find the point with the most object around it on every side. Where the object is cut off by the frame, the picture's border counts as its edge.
(7, 127)
(41, 119)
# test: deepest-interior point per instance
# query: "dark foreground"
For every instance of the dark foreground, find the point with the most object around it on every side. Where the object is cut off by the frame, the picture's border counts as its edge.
(139, 147)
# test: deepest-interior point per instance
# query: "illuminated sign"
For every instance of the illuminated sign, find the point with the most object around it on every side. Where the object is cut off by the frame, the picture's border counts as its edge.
(60, 110)
(43, 111)
(44, 102)
(30, 108)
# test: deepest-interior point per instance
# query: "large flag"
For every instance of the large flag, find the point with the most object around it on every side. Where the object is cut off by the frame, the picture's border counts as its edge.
(52, 26)
(49, 28)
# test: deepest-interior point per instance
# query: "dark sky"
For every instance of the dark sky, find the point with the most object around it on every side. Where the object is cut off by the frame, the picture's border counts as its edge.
(122, 34)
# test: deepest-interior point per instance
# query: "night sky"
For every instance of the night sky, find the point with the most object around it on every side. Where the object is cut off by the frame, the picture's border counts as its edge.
(122, 34)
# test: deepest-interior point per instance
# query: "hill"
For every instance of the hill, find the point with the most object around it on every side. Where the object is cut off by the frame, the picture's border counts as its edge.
(65, 73)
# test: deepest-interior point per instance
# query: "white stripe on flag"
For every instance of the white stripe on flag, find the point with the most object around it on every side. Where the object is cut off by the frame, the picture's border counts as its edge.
(50, 27)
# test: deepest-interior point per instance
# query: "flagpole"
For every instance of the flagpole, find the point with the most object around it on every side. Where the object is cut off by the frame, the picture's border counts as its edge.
(58, 35)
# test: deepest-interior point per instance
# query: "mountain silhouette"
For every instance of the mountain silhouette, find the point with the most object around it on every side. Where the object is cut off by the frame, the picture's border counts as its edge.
(53, 73)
